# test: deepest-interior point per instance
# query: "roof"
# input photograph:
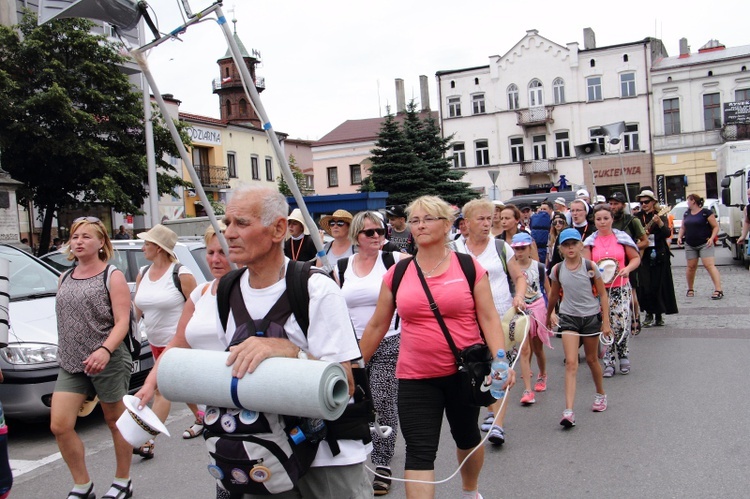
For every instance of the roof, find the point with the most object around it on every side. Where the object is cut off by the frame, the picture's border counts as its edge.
(362, 130)
(707, 56)
(206, 120)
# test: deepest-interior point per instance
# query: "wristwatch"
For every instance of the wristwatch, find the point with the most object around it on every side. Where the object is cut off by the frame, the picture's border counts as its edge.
(302, 355)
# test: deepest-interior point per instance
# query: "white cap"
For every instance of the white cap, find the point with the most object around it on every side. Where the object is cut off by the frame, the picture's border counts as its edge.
(601, 199)
(582, 193)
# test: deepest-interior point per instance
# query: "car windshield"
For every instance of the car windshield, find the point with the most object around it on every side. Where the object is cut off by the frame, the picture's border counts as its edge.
(28, 277)
(679, 212)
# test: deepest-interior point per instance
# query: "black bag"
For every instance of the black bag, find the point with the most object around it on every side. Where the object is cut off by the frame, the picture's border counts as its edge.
(474, 362)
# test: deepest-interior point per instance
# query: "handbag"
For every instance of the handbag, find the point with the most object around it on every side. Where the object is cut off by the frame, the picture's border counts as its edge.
(474, 362)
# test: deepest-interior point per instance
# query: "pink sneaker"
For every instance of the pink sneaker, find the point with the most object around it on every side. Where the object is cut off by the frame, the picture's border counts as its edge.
(600, 403)
(568, 419)
(528, 397)
(541, 383)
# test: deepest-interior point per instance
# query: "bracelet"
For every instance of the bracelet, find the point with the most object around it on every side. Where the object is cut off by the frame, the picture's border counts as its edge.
(107, 349)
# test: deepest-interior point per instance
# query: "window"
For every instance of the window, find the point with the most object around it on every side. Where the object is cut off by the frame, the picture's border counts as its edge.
(459, 155)
(536, 94)
(742, 94)
(711, 111)
(630, 138)
(597, 135)
(539, 145)
(513, 97)
(333, 176)
(254, 170)
(310, 182)
(231, 165)
(355, 174)
(477, 104)
(228, 107)
(625, 58)
(453, 83)
(627, 85)
(558, 86)
(243, 107)
(269, 169)
(671, 116)
(454, 106)
(712, 190)
(516, 149)
(562, 144)
(482, 149)
(476, 81)
(592, 63)
(594, 87)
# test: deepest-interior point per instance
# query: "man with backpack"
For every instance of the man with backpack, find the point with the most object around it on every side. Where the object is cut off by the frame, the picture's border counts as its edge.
(264, 297)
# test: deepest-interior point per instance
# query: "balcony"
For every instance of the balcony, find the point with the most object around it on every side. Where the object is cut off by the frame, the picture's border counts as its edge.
(538, 166)
(535, 116)
(213, 177)
(232, 82)
(731, 133)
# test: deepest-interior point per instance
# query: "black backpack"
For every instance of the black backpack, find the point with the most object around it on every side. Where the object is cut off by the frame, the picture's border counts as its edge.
(467, 266)
(343, 263)
(175, 276)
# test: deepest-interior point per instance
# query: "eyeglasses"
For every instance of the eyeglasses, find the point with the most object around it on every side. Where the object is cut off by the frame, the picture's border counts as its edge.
(427, 220)
(372, 232)
(339, 223)
(91, 220)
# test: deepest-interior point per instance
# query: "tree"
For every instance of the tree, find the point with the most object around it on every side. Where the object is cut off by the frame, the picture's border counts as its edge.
(71, 124)
(299, 178)
(410, 161)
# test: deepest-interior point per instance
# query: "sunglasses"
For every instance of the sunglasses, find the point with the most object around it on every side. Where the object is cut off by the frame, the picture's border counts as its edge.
(91, 220)
(340, 223)
(647, 202)
(559, 222)
(372, 232)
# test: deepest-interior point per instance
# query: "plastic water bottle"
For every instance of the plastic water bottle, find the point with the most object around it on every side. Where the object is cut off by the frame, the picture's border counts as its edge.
(6, 477)
(499, 375)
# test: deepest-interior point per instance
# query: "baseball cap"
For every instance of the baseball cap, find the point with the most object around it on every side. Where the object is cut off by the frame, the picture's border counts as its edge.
(582, 193)
(396, 211)
(568, 234)
(617, 196)
(524, 207)
(601, 199)
(521, 239)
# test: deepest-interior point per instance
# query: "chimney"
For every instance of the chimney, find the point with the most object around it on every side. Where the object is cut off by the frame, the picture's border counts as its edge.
(589, 39)
(400, 96)
(424, 91)
(684, 48)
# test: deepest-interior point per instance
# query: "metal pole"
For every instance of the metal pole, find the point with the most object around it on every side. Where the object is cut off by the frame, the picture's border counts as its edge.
(153, 187)
(624, 176)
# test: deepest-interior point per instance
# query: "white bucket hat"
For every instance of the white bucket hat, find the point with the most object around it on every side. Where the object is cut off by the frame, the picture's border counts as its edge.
(162, 236)
(296, 215)
(139, 425)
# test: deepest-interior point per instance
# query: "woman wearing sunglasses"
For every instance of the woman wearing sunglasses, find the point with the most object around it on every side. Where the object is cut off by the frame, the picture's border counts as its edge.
(559, 222)
(337, 226)
(361, 276)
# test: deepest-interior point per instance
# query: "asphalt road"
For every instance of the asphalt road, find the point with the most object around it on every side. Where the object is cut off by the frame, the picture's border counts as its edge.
(676, 426)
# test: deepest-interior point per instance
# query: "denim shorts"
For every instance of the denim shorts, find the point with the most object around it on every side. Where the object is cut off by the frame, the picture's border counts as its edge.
(702, 251)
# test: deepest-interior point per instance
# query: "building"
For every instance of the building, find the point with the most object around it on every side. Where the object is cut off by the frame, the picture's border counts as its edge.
(523, 114)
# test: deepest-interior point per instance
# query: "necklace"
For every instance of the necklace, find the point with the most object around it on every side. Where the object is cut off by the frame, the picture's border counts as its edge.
(427, 274)
(606, 242)
(295, 256)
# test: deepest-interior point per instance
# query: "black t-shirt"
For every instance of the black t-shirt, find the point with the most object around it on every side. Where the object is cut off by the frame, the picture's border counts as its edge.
(697, 229)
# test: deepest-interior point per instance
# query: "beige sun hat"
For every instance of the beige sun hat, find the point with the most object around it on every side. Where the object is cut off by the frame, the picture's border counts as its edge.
(162, 236)
(296, 215)
(88, 407)
(515, 328)
(325, 222)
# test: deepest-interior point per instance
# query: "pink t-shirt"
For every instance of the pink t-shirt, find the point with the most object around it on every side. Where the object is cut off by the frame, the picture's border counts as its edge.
(424, 351)
(608, 247)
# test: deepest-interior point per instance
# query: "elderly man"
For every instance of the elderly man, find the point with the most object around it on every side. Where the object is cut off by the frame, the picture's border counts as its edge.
(256, 228)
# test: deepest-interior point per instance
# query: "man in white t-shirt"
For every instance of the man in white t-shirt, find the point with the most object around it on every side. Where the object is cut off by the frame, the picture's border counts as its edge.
(256, 220)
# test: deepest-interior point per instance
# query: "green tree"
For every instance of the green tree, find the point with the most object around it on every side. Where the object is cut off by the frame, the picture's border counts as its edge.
(410, 161)
(71, 124)
(299, 178)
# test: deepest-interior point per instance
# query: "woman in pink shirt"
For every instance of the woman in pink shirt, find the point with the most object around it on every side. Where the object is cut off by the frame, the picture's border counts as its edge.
(426, 368)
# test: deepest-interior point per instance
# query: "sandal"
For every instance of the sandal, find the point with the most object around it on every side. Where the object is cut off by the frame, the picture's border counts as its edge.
(89, 494)
(124, 491)
(690, 293)
(382, 484)
(718, 295)
(146, 451)
(195, 430)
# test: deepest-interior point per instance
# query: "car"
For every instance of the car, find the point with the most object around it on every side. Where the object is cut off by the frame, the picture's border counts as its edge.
(535, 200)
(678, 212)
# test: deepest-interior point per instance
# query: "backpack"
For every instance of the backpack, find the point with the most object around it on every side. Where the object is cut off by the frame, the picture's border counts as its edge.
(175, 276)
(262, 453)
(343, 263)
(589, 270)
(133, 338)
(467, 266)
(540, 225)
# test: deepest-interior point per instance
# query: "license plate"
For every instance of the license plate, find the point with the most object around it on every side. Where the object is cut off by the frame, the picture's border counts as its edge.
(136, 367)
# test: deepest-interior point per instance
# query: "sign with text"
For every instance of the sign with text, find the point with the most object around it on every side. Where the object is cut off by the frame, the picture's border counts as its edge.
(205, 135)
(616, 172)
(737, 113)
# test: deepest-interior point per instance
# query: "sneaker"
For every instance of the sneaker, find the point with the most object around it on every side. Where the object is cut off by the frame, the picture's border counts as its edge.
(528, 397)
(600, 403)
(487, 423)
(609, 371)
(624, 366)
(649, 320)
(541, 383)
(568, 419)
(497, 435)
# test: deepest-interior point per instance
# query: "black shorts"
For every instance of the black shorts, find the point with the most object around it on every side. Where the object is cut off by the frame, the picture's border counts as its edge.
(590, 324)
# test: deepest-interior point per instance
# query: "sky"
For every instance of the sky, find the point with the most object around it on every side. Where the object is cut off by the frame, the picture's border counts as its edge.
(328, 61)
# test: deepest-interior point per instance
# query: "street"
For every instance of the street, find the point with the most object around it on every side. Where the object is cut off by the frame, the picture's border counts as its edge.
(676, 426)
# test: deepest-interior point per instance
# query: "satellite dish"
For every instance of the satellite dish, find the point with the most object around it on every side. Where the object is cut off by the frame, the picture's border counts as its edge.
(588, 150)
(123, 14)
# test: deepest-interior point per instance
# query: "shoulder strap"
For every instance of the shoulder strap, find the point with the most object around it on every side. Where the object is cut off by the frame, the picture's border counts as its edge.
(297, 275)
(226, 283)
(398, 274)
(468, 268)
(176, 277)
(438, 315)
(542, 272)
(556, 272)
(143, 270)
(388, 259)
(343, 263)
(500, 248)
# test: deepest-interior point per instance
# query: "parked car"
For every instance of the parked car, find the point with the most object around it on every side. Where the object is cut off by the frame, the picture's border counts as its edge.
(678, 212)
(535, 200)
(190, 251)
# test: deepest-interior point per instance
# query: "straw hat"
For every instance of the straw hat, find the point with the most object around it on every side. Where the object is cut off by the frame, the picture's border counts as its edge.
(138, 426)
(646, 194)
(296, 215)
(515, 328)
(88, 407)
(162, 236)
(325, 222)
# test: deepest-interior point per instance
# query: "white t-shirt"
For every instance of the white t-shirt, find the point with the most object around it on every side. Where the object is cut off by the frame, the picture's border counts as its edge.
(329, 337)
(490, 260)
(201, 331)
(361, 293)
(161, 303)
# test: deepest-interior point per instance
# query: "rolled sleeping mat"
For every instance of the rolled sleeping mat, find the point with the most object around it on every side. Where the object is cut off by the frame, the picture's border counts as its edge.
(305, 388)
(4, 301)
